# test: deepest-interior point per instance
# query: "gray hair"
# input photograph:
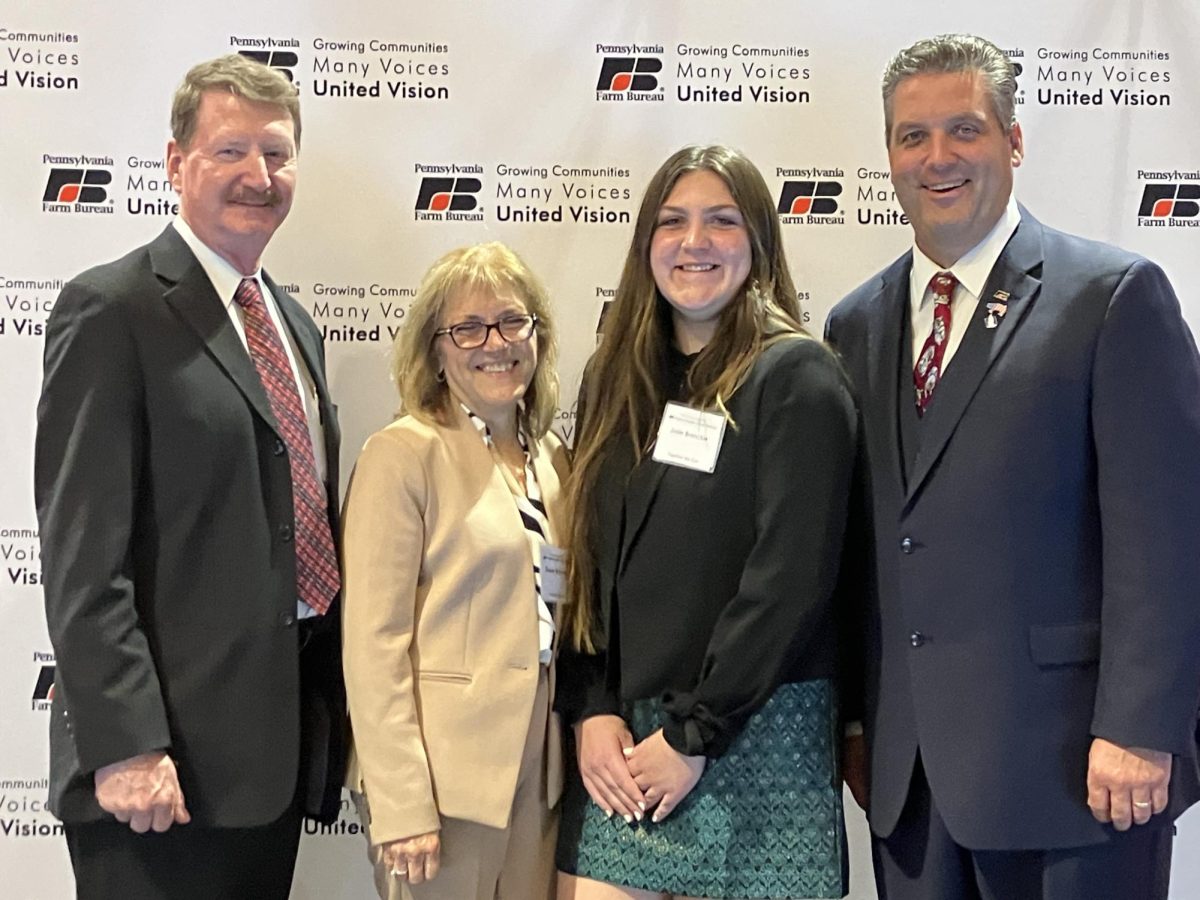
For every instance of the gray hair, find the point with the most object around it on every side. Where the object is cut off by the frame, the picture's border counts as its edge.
(949, 53)
(239, 75)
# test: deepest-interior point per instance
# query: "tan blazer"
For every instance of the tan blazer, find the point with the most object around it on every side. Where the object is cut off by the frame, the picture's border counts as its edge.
(441, 632)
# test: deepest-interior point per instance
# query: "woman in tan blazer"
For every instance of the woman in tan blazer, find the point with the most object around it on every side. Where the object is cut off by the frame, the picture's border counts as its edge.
(452, 574)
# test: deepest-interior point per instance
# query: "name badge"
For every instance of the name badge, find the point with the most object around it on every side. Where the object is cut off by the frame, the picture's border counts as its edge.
(554, 574)
(690, 438)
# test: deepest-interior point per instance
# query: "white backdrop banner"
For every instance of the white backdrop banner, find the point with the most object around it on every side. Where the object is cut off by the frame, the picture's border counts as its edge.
(430, 126)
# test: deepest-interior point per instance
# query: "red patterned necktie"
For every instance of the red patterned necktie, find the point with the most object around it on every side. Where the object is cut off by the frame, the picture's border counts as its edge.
(317, 578)
(928, 370)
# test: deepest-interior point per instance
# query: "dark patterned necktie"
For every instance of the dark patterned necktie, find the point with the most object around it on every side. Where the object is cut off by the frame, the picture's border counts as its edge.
(317, 578)
(928, 370)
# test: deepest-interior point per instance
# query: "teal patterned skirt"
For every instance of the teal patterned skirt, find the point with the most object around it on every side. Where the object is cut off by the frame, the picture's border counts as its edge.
(764, 820)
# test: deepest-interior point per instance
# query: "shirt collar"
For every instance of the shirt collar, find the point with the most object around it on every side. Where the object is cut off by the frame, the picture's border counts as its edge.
(224, 277)
(974, 267)
(486, 433)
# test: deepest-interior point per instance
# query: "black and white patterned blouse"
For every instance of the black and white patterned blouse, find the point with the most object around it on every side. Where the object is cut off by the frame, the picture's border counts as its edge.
(536, 522)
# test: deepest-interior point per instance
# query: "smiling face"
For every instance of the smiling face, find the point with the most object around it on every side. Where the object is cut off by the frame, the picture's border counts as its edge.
(952, 162)
(490, 379)
(699, 254)
(236, 178)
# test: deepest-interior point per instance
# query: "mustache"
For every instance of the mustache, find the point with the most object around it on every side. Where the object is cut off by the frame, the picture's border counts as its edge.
(269, 198)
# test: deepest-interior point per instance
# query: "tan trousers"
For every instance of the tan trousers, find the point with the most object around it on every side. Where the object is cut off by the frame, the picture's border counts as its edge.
(482, 863)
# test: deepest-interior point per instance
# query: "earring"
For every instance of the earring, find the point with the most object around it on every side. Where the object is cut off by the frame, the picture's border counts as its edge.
(441, 376)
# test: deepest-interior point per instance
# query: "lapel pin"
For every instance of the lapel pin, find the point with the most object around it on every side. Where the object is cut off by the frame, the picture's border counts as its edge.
(996, 309)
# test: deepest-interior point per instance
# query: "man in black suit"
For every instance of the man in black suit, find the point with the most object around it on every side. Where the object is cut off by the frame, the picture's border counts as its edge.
(185, 477)
(1031, 411)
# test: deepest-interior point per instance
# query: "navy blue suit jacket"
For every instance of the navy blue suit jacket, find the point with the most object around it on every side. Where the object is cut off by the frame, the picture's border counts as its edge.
(1036, 569)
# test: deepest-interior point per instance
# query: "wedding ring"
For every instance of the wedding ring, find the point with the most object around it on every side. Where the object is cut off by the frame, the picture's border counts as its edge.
(1142, 804)
(399, 873)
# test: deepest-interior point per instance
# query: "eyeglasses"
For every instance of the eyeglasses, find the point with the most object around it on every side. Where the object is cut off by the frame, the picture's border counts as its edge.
(470, 335)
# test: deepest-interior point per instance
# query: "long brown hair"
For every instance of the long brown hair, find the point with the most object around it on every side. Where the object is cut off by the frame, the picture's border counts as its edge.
(624, 390)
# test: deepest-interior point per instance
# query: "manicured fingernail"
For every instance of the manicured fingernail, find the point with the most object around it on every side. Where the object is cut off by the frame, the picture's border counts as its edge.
(628, 751)
(628, 819)
(641, 806)
(608, 814)
(638, 815)
(654, 818)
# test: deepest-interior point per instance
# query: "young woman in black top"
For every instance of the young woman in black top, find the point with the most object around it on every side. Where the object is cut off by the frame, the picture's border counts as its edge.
(709, 502)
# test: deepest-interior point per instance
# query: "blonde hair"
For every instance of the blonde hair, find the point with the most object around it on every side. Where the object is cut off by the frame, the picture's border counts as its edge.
(492, 267)
(624, 390)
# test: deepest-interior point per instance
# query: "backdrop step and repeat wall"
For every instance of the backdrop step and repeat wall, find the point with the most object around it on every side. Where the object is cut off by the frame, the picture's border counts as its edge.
(432, 125)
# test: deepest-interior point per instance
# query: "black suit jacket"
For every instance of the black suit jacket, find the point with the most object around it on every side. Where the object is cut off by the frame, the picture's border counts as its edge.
(164, 498)
(725, 580)
(1036, 566)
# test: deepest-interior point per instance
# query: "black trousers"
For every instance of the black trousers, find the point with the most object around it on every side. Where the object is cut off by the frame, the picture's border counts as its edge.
(921, 861)
(193, 862)
(186, 862)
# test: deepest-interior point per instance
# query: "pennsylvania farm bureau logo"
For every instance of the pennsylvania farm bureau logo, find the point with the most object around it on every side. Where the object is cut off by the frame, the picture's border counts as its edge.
(283, 60)
(1170, 203)
(812, 198)
(278, 53)
(77, 184)
(449, 193)
(43, 689)
(629, 73)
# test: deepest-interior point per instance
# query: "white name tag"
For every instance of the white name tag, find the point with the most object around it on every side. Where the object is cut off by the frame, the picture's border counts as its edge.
(554, 574)
(690, 438)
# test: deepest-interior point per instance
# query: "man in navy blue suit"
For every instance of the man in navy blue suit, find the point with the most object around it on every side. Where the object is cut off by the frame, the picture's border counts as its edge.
(1030, 624)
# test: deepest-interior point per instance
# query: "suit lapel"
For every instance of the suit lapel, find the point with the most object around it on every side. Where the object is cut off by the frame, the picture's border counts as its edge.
(290, 311)
(644, 482)
(980, 345)
(191, 295)
(883, 342)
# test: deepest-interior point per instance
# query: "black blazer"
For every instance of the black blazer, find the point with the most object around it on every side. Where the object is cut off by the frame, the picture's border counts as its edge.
(1035, 567)
(164, 499)
(724, 580)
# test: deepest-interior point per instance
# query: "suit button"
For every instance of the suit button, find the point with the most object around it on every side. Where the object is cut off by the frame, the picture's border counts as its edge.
(916, 639)
(279, 447)
(287, 620)
(906, 546)
(285, 532)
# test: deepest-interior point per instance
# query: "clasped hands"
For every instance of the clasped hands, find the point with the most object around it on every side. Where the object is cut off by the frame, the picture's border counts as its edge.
(632, 779)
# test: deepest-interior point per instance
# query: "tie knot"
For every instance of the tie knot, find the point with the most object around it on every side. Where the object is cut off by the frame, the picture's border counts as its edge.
(247, 292)
(942, 284)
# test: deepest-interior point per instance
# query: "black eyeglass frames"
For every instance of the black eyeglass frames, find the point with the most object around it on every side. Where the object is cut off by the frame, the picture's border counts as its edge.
(470, 335)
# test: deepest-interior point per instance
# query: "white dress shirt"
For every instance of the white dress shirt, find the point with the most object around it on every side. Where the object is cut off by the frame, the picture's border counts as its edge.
(971, 270)
(225, 280)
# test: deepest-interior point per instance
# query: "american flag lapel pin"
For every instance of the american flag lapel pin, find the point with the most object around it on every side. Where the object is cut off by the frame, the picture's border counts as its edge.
(996, 309)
